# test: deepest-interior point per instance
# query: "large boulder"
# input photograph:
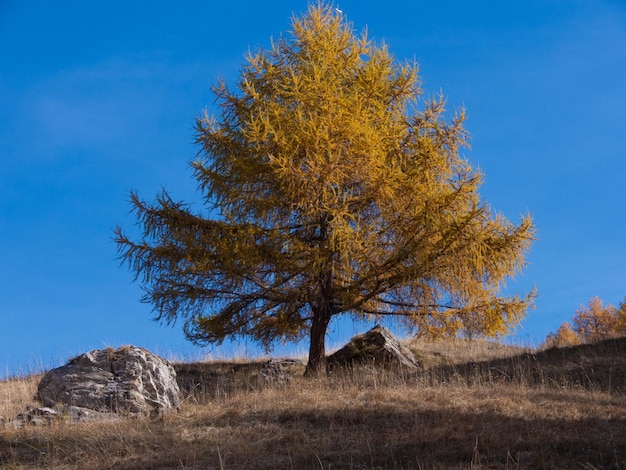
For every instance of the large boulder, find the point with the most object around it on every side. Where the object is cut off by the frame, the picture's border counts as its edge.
(376, 347)
(128, 380)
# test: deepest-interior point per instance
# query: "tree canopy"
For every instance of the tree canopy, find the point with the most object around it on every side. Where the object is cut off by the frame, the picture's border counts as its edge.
(331, 186)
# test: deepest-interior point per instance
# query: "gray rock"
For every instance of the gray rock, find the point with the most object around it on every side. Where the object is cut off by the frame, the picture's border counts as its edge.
(45, 416)
(376, 347)
(127, 380)
(35, 417)
(76, 414)
(277, 371)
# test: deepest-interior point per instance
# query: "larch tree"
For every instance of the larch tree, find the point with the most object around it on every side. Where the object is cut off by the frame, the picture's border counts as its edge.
(331, 188)
(595, 322)
(591, 323)
(620, 324)
(564, 336)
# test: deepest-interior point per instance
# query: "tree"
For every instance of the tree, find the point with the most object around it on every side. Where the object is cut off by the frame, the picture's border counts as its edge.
(565, 336)
(595, 322)
(328, 192)
(620, 323)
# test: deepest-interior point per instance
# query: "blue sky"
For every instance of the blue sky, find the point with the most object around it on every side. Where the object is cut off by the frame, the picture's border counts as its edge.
(98, 98)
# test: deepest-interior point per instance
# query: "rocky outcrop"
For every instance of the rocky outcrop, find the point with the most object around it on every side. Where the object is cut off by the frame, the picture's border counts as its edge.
(128, 380)
(376, 347)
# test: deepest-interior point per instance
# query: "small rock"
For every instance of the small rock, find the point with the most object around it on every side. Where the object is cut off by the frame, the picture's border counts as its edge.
(276, 370)
(378, 347)
(45, 416)
(35, 417)
(81, 415)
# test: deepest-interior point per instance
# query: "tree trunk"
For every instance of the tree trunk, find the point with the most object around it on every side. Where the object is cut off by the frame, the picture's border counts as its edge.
(321, 307)
(317, 348)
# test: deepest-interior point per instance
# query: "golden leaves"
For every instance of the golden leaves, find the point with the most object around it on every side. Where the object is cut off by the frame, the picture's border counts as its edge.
(335, 190)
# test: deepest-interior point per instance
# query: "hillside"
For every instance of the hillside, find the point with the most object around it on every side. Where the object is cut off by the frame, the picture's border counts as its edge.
(595, 367)
(474, 405)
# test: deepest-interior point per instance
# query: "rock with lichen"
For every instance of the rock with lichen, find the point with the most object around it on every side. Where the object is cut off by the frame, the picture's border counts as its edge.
(128, 380)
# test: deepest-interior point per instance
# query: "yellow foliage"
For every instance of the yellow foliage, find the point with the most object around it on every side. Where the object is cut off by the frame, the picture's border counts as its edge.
(620, 323)
(591, 323)
(595, 321)
(565, 336)
(334, 189)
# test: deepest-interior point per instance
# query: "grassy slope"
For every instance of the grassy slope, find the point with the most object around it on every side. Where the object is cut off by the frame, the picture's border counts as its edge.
(475, 405)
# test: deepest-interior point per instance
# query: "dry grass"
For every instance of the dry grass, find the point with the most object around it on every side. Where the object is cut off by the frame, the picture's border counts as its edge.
(461, 351)
(15, 394)
(484, 408)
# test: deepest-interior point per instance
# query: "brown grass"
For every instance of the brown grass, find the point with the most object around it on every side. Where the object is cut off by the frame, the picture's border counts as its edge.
(15, 394)
(472, 407)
